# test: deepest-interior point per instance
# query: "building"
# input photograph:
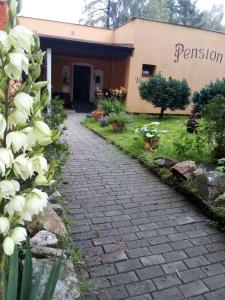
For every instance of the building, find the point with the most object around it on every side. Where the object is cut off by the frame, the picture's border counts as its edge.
(82, 58)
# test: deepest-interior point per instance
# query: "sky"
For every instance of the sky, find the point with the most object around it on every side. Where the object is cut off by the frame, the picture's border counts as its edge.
(71, 10)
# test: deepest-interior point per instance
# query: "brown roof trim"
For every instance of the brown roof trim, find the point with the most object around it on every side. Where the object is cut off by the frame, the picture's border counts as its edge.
(128, 46)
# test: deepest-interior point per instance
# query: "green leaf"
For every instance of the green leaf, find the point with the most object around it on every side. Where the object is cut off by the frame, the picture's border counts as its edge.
(52, 280)
(36, 284)
(5, 285)
(27, 274)
(13, 276)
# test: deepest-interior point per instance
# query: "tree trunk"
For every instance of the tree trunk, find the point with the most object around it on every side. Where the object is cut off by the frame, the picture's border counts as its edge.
(108, 14)
(161, 113)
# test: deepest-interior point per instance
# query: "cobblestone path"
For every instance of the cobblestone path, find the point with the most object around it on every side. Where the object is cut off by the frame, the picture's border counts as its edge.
(141, 239)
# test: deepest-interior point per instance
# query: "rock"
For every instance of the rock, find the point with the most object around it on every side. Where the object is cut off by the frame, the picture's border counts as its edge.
(57, 208)
(185, 169)
(67, 286)
(210, 186)
(44, 238)
(219, 200)
(53, 198)
(198, 172)
(48, 220)
(165, 162)
(160, 162)
(41, 251)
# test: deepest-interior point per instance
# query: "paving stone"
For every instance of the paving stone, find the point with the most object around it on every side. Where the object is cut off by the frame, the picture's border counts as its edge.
(214, 269)
(215, 282)
(124, 278)
(142, 240)
(129, 265)
(193, 289)
(168, 294)
(192, 275)
(141, 287)
(166, 281)
(174, 267)
(150, 272)
(152, 260)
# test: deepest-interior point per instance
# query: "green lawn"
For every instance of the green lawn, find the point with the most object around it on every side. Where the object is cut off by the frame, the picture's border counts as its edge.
(131, 143)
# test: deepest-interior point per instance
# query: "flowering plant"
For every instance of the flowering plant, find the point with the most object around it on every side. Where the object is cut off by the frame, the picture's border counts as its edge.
(150, 131)
(112, 94)
(23, 134)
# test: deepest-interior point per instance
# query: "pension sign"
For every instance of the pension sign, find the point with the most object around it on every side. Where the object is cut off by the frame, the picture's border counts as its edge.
(183, 53)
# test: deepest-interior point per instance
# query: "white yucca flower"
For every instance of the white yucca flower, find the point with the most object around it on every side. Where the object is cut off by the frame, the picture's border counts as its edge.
(8, 188)
(4, 40)
(24, 103)
(8, 246)
(36, 201)
(16, 205)
(18, 63)
(17, 117)
(4, 225)
(2, 126)
(42, 134)
(6, 160)
(21, 38)
(17, 140)
(22, 168)
(19, 235)
(39, 164)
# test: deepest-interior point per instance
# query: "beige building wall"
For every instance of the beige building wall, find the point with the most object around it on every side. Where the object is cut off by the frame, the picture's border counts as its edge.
(68, 30)
(154, 44)
(199, 57)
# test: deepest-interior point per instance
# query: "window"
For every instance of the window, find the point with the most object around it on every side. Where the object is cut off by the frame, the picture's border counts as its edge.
(148, 70)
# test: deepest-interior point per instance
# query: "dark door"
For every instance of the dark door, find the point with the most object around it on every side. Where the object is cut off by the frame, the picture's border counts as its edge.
(81, 86)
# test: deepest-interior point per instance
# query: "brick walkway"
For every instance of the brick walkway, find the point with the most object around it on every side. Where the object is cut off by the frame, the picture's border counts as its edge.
(141, 239)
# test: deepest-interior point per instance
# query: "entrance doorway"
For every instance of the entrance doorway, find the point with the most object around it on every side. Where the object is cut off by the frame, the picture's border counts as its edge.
(82, 88)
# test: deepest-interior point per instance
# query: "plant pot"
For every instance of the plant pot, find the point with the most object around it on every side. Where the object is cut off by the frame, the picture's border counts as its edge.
(152, 144)
(98, 114)
(117, 127)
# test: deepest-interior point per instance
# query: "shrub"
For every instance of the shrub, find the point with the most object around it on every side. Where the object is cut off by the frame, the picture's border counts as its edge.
(58, 114)
(111, 106)
(112, 94)
(165, 93)
(207, 93)
(121, 119)
(214, 117)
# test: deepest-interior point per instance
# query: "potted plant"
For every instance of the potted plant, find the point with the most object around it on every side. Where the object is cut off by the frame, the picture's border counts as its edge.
(97, 114)
(151, 135)
(118, 121)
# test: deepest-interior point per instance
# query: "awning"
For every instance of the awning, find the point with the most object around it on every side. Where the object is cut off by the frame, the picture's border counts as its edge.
(88, 49)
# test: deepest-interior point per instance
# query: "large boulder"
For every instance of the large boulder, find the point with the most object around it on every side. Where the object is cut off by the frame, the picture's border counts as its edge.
(185, 169)
(165, 162)
(48, 220)
(210, 186)
(55, 197)
(44, 252)
(44, 238)
(67, 287)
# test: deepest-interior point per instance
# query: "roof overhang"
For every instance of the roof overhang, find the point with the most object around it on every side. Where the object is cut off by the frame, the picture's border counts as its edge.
(83, 48)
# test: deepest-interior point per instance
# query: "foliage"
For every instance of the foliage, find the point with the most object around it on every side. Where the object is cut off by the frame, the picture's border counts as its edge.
(121, 119)
(165, 93)
(112, 94)
(150, 131)
(58, 114)
(214, 116)
(209, 92)
(111, 106)
(165, 174)
(113, 13)
(192, 124)
(130, 142)
(29, 290)
(221, 165)
(189, 146)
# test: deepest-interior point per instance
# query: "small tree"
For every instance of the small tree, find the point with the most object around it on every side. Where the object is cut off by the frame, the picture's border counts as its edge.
(210, 91)
(165, 93)
(214, 117)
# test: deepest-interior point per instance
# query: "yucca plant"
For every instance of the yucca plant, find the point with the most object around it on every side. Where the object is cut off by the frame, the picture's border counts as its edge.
(29, 289)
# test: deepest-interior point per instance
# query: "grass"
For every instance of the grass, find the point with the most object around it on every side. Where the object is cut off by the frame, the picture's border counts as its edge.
(131, 143)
